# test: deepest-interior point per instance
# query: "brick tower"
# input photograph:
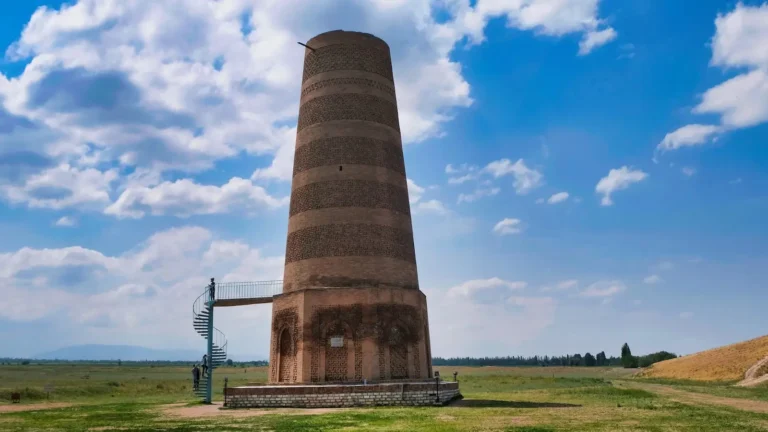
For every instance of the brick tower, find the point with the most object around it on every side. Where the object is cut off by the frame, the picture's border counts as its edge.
(351, 308)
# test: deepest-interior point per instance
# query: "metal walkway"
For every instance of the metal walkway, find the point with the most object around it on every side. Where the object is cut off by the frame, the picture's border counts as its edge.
(223, 295)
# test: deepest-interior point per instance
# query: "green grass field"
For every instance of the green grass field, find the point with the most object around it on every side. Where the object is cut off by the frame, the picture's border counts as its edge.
(496, 399)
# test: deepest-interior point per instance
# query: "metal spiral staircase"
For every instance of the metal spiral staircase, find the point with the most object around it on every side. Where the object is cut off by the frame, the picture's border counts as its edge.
(223, 295)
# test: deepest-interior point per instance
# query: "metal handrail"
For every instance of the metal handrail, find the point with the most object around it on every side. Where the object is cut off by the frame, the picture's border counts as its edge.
(219, 340)
(247, 290)
(203, 305)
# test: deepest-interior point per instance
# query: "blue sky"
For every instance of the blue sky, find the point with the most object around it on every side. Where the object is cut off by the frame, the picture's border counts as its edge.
(582, 173)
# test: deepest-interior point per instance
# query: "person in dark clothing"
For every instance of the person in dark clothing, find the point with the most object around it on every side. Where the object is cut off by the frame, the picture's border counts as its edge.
(205, 364)
(195, 377)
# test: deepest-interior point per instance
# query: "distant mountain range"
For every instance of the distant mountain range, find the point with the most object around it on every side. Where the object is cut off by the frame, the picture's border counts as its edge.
(119, 352)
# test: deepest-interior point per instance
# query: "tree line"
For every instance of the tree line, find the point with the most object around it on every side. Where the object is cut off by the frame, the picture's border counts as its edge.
(567, 360)
(626, 360)
(630, 361)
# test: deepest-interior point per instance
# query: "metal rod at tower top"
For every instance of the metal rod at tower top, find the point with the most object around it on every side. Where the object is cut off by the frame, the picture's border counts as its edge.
(305, 45)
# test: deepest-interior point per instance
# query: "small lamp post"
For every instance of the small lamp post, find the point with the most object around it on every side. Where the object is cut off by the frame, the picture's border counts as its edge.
(437, 386)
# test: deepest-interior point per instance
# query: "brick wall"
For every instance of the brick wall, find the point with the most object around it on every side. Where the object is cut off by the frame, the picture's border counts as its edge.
(330, 396)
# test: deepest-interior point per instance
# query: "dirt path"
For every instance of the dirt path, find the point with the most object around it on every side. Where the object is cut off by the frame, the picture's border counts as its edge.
(751, 378)
(215, 410)
(32, 407)
(687, 397)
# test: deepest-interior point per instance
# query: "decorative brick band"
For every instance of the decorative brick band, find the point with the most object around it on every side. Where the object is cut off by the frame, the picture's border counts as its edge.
(350, 193)
(348, 81)
(357, 128)
(348, 106)
(347, 57)
(349, 215)
(349, 150)
(341, 240)
(350, 273)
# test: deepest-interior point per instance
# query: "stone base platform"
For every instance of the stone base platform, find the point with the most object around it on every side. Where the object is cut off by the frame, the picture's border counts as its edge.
(419, 393)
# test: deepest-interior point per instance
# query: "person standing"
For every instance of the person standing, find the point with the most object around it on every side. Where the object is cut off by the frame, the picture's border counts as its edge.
(195, 377)
(205, 364)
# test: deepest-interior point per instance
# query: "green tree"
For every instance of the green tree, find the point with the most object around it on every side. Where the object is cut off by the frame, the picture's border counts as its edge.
(230, 362)
(601, 360)
(576, 360)
(627, 359)
(589, 360)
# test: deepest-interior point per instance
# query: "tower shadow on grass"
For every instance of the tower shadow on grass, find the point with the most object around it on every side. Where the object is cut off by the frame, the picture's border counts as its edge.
(485, 403)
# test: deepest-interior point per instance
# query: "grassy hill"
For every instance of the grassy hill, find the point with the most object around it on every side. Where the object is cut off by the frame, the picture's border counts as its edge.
(727, 363)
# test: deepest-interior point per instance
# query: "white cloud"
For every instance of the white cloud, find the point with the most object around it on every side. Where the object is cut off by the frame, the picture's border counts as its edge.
(603, 289)
(281, 167)
(595, 39)
(688, 171)
(194, 88)
(652, 279)
(461, 179)
(740, 37)
(540, 201)
(419, 206)
(508, 226)
(184, 198)
(567, 284)
(526, 179)
(61, 187)
(127, 297)
(735, 181)
(489, 308)
(686, 315)
(627, 51)
(415, 192)
(543, 16)
(471, 287)
(562, 286)
(26, 260)
(742, 101)
(469, 173)
(688, 136)
(66, 221)
(616, 180)
(477, 194)
(431, 206)
(558, 197)
(450, 169)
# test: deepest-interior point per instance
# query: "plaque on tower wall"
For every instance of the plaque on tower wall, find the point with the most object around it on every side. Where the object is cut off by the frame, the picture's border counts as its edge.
(337, 341)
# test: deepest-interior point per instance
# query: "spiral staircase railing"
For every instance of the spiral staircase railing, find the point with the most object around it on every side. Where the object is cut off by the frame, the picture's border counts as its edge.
(225, 294)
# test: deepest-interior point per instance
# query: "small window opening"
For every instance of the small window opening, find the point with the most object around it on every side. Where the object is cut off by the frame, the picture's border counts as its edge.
(339, 167)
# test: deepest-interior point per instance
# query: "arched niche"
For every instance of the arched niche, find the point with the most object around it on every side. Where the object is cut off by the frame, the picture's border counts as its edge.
(286, 356)
(337, 355)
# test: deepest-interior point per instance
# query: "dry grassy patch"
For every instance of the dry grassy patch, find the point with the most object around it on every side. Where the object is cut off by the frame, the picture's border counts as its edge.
(728, 363)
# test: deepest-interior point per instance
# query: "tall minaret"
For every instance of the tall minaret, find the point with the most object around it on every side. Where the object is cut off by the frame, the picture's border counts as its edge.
(351, 307)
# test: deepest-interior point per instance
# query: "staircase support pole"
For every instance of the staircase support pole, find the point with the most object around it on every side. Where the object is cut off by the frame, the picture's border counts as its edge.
(209, 386)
